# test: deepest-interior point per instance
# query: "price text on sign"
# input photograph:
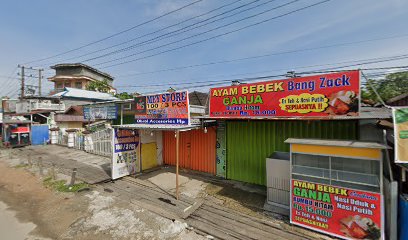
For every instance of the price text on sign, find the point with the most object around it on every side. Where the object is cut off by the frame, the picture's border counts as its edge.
(167, 108)
(338, 211)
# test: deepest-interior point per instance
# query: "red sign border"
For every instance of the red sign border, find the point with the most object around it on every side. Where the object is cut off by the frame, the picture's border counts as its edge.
(329, 233)
(290, 117)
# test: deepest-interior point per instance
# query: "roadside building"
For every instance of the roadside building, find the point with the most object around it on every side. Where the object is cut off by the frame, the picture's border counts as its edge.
(256, 120)
(72, 118)
(75, 97)
(79, 76)
(400, 100)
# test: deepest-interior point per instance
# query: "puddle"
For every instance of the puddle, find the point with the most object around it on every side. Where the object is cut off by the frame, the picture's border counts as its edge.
(11, 228)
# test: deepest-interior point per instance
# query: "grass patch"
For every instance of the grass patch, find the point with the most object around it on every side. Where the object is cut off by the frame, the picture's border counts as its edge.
(21, 165)
(60, 185)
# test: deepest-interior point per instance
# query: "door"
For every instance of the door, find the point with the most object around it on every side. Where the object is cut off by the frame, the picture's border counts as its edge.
(39, 134)
(197, 149)
(149, 155)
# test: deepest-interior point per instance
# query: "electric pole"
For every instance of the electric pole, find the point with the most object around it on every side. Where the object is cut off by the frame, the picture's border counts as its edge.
(39, 81)
(22, 82)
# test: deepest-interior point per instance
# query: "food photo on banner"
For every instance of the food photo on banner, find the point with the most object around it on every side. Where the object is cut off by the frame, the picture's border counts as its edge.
(338, 211)
(334, 94)
(400, 116)
(125, 160)
(166, 108)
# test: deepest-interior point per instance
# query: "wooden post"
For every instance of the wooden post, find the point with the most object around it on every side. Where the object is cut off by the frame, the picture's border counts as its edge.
(73, 177)
(177, 163)
(40, 166)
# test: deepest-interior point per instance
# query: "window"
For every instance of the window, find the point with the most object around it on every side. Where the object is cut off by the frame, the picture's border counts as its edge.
(78, 85)
(127, 106)
(67, 84)
(58, 85)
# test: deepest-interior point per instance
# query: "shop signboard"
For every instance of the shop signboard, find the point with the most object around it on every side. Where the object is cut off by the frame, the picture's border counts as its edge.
(166, 108)
(323, 95)
(101, 112)
(400, 116)
(125, 152)
(338, 211)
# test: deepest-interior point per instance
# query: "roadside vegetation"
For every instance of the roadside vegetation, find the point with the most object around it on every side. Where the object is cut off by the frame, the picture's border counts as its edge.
(61, 185)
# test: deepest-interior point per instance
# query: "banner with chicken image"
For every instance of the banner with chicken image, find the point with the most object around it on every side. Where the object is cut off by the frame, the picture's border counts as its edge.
(326, 95)
(342, 212)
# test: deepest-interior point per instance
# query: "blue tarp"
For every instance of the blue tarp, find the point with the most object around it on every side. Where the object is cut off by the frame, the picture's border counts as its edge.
(403, 217)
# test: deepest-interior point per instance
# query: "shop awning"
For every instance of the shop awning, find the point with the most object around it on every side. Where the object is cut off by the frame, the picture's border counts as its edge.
(337, 143)
(158, 127)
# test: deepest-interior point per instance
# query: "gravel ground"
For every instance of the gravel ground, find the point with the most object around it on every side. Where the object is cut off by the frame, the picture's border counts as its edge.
(83, 215)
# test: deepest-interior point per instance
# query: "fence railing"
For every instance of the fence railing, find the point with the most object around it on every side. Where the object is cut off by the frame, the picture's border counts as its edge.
(99, 143)
(62, 139)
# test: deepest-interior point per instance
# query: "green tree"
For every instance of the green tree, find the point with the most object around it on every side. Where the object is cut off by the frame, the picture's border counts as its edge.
(124, 96)
(392, 85)
(99, 86)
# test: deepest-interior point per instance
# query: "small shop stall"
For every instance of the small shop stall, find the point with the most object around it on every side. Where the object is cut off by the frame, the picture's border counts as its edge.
(337, 187)
(143, 140)
(16, 133)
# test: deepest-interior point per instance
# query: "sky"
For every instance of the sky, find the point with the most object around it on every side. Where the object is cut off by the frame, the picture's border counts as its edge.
(294, 36)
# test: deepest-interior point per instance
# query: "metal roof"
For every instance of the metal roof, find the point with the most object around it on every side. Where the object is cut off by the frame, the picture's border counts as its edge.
(337, 143)
(72, 65)
(80, 93)
(397, 98)
(159, 127)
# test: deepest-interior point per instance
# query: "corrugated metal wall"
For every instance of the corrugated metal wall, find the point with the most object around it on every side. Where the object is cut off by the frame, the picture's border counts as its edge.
(197, 149)
(249, 143)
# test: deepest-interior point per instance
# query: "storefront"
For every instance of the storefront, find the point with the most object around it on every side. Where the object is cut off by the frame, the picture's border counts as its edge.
(197, 149)
(249, 143)
(256, 119)
(16, 133)
(337, 187)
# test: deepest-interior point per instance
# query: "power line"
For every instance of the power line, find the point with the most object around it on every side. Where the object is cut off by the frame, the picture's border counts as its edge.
(359, 62)
(118, 33)
(262, 56)
(11, 79)
(251, 79)
(159, 30)
(205, 32)
(223, 34)
(186, 28)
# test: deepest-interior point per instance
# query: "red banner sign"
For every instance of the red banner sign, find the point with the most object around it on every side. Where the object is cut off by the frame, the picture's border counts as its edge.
(342, 212)
(323, 95)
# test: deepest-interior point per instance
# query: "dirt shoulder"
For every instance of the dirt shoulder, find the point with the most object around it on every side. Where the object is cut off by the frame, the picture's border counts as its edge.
(25, 194)
(84, 215)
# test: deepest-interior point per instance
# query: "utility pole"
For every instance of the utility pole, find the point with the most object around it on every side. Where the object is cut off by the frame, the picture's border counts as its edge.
(22, 82)
(39, 81)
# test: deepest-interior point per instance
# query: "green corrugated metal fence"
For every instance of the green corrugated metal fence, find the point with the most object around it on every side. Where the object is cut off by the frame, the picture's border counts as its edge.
(249, 143)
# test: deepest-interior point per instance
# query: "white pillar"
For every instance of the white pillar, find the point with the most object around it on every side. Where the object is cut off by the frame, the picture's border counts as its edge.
(71, 139)
(54, 135)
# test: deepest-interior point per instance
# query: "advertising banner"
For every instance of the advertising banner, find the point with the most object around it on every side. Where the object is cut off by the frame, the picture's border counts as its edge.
(338, 211)
(166, 108)
(400, 116)
(322, 95)
(101, 112)
(125, 152)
